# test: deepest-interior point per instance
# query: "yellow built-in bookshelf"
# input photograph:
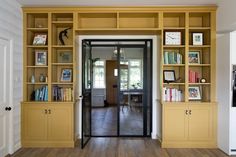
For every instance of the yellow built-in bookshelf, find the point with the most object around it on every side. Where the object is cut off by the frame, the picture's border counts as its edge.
(191, 130)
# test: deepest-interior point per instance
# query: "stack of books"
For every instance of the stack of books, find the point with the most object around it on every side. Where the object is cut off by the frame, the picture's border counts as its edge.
(172, 94)
(193, 77)
(41, 94)
(62, 94)
(172, 58)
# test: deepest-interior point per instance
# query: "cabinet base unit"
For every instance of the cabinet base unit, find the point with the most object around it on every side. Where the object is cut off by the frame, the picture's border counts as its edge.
(47, 124)
(189, 125)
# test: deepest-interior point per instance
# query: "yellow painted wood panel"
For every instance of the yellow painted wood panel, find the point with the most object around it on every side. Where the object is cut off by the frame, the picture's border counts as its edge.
(60, 123)
(200, 123)
(34, 123)
(175, 123)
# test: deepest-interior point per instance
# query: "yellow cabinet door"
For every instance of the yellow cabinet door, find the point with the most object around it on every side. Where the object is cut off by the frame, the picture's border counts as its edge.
(175, 123)
(34, 122)
(200, 122)
(60, 123)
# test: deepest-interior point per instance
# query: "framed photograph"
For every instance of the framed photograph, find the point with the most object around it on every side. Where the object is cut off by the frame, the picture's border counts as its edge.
(194, 57)
(40, 39)
(64, 57)
(41, 57)
(169, 76)
(197, 38)
(66, 75)
(194, 93)
(172, 38)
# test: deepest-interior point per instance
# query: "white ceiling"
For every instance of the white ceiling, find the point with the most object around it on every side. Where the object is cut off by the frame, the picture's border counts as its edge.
(115, 2)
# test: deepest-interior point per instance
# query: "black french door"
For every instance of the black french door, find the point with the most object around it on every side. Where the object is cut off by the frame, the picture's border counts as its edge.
(86, 92)
(134, 86)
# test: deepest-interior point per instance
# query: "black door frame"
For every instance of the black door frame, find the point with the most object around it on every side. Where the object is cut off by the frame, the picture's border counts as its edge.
(84, 94)
(144, 46)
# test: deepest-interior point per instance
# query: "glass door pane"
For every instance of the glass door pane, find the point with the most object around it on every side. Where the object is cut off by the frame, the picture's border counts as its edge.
(86, 92)
(131, 93)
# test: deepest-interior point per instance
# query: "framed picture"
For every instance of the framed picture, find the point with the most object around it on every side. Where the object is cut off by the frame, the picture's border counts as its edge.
(64, 57)
(194, 93)
(40, 39)
(197, 38)
(169, 76)
(40, 57)
(194, 57)
(172, 38)
(66, 75)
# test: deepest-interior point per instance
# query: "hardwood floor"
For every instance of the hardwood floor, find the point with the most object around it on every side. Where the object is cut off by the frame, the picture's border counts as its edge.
(104, 121)
(118, 147)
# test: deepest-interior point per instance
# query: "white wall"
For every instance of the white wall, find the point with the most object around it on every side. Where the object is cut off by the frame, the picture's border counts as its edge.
(156, 124)
(11, 29)
(223, 89)
(226, 16)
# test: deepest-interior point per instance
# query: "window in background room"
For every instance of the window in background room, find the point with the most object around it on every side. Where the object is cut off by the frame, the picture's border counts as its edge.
(99, 74)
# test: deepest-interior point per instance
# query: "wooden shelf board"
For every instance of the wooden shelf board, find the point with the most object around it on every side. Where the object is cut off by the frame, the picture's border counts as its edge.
(63, 101)
(199, 46)
(37, 83)
(37, 46)
(63, 64)
(96, 29)
(117, 29)
(199, 65)
(174, 28)
(62, 46)
(199, 28)
(141, 29)
(173, 83)
(37, 29)
(173, 46)
(62, 83)
(36, 66)
(61, 22)
(173, 65)
(199, 83)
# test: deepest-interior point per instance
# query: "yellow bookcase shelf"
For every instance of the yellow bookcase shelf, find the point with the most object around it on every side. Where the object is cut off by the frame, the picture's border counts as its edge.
(179, 118)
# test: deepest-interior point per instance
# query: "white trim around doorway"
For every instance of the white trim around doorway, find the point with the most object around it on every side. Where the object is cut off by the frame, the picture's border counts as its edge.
(156, 107)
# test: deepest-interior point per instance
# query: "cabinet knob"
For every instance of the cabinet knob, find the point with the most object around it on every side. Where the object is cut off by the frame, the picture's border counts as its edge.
(7, 108)
(186, 112)
(49, 111)
(46, 111)
(190, 112)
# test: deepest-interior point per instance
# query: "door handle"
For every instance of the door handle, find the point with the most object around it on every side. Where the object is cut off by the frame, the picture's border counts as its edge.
(49, 111)
(46, 111)
(186, 112)
(190, 112)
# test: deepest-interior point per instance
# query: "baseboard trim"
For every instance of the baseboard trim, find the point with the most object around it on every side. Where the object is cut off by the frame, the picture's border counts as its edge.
(17, 146)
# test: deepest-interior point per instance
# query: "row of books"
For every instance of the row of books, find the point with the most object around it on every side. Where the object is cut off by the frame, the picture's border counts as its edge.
(172, 94)
(62, 94)
(172, 58)
(40, 94)
(193, 76)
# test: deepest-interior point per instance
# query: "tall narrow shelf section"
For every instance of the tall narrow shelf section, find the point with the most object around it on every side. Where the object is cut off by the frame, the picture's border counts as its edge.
(36, 67)
(62, 58)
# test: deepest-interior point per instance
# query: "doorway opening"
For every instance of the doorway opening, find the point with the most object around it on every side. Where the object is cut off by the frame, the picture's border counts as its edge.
(116, 88)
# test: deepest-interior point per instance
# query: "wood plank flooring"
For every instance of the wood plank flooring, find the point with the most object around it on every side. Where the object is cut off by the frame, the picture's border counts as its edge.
(118, 147)
(104, 121)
